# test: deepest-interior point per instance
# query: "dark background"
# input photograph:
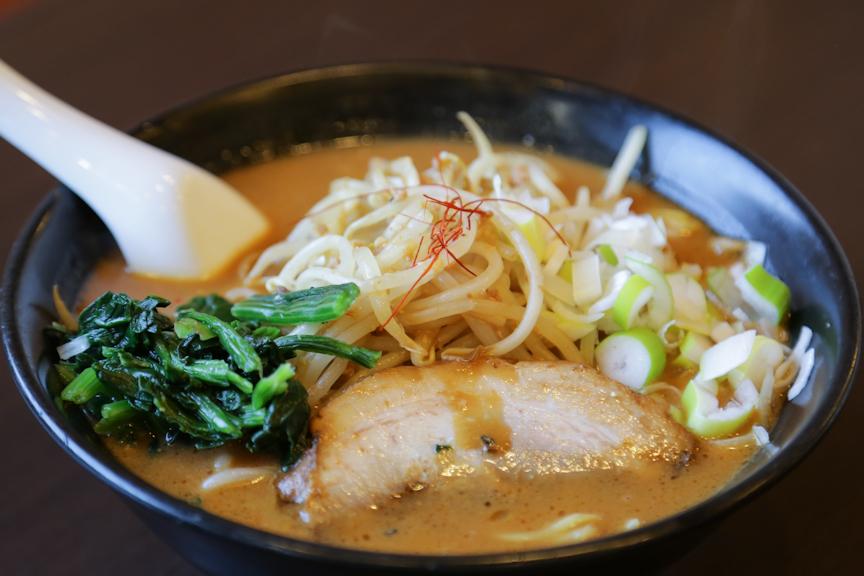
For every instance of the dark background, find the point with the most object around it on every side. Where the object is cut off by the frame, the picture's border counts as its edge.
(783, 79)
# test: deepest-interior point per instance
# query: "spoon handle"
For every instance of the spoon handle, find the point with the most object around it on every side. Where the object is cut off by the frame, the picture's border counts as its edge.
(88, 156)
(169, 217)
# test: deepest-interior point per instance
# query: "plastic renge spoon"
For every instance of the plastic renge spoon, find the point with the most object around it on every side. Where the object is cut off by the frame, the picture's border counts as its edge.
(169, 217)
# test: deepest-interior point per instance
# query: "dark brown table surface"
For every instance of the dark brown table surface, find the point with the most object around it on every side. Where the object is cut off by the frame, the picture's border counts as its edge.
(783, 79)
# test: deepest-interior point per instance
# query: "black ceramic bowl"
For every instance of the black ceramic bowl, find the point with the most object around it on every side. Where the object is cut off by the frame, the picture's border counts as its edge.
(734, 192)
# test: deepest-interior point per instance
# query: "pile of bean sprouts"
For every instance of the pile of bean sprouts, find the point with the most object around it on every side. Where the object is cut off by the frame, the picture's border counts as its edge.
(465, 258)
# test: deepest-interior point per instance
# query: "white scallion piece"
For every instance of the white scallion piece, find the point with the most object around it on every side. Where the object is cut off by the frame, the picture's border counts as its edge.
(804, 370)
(724, 357)
(613, 289)
(691, 306)
(622, 208)
(765, 356)
(583, 196)
(586, 280)
(556, 255)
(754, 254)
(74, 347)
(624, 162)
(803, 342)
(766, 396)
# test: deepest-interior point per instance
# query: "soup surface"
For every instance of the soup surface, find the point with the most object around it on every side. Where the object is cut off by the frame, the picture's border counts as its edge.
(483, 512)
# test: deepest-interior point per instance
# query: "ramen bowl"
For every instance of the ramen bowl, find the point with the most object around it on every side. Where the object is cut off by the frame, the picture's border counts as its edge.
(735, 193)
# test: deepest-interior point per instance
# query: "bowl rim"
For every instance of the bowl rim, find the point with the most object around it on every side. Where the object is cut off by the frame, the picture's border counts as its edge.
(126, 483)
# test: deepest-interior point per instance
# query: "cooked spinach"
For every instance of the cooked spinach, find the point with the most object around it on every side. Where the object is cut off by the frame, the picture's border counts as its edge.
(288, 308)
(241, 350)
(211, 304)
(284, 426)
(324, 345)
(83, 387)
(218, 374)
(116, 418)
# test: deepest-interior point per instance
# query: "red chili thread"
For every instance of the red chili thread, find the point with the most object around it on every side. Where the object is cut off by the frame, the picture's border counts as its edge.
(443, 232)
(563, 240)
(417, 253)
(450, 227)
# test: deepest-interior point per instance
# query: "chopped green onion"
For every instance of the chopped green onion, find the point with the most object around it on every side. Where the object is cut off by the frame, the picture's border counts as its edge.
(311, 305)
(83, 388)
(634, 357)
(722, 284)
(767, 294)
(705, 417)
(530, 225)
(692, 347)
(566, 270)
(607, 253)
(634, 296)
(660, 308)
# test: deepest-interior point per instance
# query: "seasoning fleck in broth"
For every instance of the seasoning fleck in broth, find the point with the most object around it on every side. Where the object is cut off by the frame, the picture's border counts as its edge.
(485, 511)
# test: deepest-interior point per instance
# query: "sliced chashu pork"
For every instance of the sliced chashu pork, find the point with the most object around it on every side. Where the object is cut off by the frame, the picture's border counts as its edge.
(402, 428)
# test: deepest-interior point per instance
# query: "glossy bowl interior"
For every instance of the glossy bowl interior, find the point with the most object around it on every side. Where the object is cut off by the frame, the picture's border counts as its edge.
(735, 193)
